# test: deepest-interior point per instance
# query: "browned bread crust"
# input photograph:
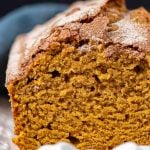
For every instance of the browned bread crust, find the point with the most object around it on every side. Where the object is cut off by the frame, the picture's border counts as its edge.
(64, 26)
(72, 24)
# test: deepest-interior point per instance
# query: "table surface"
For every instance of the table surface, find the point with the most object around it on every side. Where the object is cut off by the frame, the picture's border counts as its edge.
(6, 125)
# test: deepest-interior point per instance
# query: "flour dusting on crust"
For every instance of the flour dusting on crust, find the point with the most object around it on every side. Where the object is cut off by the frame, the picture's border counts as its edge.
(130, 32)
(84, 10)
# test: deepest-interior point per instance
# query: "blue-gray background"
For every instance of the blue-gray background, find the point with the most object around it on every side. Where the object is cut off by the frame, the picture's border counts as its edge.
(7, 5)
(14, 21)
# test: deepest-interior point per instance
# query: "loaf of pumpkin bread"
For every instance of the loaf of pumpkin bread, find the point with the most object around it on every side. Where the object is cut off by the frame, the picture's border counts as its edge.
(83, 78)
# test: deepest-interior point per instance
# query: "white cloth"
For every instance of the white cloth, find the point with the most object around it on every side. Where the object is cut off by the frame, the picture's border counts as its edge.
(131, 146)
(66, 146)
(59, 146)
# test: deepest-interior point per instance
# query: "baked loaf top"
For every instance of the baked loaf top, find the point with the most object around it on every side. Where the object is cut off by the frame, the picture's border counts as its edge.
(83, 21)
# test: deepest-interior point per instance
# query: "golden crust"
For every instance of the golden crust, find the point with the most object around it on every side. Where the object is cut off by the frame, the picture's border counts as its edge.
(33, 41)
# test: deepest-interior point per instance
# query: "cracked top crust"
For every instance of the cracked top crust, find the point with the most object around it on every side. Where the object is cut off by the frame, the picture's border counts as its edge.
(91, 20)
